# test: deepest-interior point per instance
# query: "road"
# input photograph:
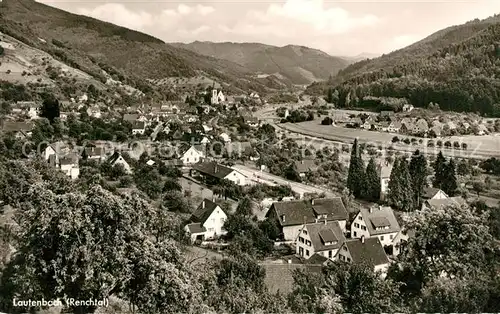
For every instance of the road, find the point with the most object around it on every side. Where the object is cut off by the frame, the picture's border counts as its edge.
(272, 180)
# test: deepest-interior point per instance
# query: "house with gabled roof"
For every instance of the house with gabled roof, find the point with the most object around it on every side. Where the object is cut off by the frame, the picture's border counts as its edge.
(322, 238)
(376, 222)
(368, 251)
(385, 177)
(192, 155)
(290, 216)
(213, 173)
(206, 222)
(117, 159)
(304, 166)
(21, 130)
(433, 194)
(394, 127)
(138, 127)
(444, 202)
(96, 153)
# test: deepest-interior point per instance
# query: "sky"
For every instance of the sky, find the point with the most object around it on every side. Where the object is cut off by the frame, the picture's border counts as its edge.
(342, 28)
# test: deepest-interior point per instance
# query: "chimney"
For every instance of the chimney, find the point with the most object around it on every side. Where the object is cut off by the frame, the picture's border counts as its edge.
(363, 239)
(283, 218)
(289, 261)
(203, 204)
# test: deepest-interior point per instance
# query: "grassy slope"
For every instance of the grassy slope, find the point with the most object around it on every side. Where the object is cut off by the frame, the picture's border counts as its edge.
(301, 65)
(88, 41)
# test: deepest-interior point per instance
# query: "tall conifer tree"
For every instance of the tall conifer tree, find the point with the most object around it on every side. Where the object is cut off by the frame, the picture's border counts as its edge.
(450, 184)
(372, 182)
(394, 197)
(439, 171)
(418, 172)
(406, 187)
(356, 174)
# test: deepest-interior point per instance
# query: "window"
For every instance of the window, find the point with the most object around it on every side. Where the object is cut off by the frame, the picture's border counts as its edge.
(348, 259)
(187, 159)
(363, 228)
(301, 239)
(329, 254)
(391, 236)
(355, 234)
(301, 251)
(360, 218)
(304, 231)
(307, 252)
(345, 248)
(222, 220)
(308, 242)
(356, 225)
(381, 238)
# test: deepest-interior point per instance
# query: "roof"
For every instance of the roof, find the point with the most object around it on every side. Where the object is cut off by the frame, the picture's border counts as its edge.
(204, 210)
(12, 126)
(196, 227)
(333, 207)
(321, 233)
(295, 212)
(279, 277)
(381, 216)
(452, 201)
(94, 151)
(213, 169)
(298, 212)
(70, 159)
(138, 125)
(316, 259)
(114, 157)
(305, 165)
(430, 192)
(371, 252)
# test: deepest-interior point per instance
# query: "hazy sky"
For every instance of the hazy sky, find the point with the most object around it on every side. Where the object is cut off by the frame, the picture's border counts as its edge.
(343, 28)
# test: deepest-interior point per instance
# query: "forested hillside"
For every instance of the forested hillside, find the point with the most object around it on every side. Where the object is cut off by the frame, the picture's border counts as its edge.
(457, 68)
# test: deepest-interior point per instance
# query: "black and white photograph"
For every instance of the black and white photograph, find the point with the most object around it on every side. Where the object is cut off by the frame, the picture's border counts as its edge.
(249, 156)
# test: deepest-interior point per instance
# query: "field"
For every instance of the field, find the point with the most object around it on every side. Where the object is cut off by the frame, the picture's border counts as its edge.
(478, 146)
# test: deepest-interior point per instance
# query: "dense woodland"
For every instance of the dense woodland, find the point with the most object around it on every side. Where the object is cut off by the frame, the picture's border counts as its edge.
(463, 76)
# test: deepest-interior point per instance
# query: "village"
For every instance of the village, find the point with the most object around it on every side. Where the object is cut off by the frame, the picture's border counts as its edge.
(214, 145)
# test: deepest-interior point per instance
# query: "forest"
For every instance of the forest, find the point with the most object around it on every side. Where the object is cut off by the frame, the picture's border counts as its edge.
(462, 77)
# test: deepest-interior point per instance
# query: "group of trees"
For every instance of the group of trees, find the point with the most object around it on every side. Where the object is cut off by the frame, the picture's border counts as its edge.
(296, 116)
(445, 175)
(438, 78)
(407, 182)
(363, 182)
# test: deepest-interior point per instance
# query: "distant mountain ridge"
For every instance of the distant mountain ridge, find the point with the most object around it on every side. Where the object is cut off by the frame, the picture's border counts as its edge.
(94, 46)
(299, 64)
(457, 68)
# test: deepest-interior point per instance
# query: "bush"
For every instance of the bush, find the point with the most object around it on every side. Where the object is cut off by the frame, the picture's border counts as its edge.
(327, 121)
(395, 139)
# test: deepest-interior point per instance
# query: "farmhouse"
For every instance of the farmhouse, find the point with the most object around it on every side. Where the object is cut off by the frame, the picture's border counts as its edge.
(321, 238)
(213, 173)
(290, 216)
(433, 194)
(207, 222)
(445, 202)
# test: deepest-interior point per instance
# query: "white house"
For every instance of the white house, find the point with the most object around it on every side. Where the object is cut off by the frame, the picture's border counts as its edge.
(376, 222)
(290, 216)
(69, 165)
(207, 222)
(117, 159)
(57, 149)
(225, 137)
(205, 141)
(138, 127)
(193, 155)
(207, 128)
(211, 171)
(408, 107)
(323, 238)
(365, 250)
(385, 177)
(94, 112)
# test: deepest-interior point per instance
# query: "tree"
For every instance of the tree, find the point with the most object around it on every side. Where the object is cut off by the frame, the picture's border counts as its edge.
(478, 187)
(174, 201)
(372, 182)
(395, 139)
(418, 173)
(356, 173)
(439, 171)
(327, 121)
(449, 185)
(50, 107)
(171, 185)
(394, 194)
(244, 207)
(401, 194)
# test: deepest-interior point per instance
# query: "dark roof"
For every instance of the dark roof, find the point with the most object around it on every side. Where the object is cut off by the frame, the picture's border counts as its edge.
(204, 210)
(371, 252)
(316, 259)
(213, 169)
(381, 216)
(295, 212)
(94, 151)
(305, 165)
(69, 159)
(333, 207)
(196, 227)
(279, 277)
(138, 125)
(302, 211)
(114, 157)
(321, 234)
